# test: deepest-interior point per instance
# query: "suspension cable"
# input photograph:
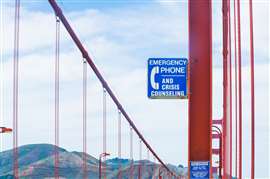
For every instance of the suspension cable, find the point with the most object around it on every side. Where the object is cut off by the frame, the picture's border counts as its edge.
(119, 145)
(140, 160)
(252, 92)
(84, 119)
(131, 153)
(236, 90)
(104, 122)
(105, 85)
(131, 144)
(104, 129)
(240, 88)
(57, 46)
(140, 149)
(230, 77)
(119, 135)
(15, 88)
(148, 155)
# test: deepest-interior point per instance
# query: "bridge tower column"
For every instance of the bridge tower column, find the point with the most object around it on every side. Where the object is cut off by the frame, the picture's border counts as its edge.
(200, 82)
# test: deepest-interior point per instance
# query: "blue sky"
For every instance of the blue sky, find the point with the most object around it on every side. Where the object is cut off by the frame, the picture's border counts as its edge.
(120, 37)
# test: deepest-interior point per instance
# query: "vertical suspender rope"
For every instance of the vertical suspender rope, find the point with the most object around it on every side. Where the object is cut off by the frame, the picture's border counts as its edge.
(15, 88)
(131, 153)
(252, 92)
(140, 149)
(236, 91)
(119, 145)
(131, 144)
(104, 129)
(140, 158)
(119, 135)
(230, 66)
(240, 87)
(56, 152)
(148, 155)
(84, 119)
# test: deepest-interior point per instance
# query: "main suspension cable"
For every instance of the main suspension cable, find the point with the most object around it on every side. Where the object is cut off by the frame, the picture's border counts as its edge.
(105, 85)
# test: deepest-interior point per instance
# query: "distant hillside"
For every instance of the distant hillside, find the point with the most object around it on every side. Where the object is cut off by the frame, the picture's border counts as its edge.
(36, 161)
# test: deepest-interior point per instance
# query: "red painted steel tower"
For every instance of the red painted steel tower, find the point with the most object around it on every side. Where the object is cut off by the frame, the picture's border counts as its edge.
(200, 81)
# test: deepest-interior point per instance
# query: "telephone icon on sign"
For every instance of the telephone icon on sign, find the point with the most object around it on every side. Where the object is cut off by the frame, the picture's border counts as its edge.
(154, 84)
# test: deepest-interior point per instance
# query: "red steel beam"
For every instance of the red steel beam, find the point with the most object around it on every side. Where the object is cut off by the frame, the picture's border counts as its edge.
(215, 136)
(200, 83)
(216, 151)
(217, 121)
(105, 85)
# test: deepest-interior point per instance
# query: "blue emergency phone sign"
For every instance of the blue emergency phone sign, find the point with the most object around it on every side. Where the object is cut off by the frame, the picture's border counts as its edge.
(167, 78)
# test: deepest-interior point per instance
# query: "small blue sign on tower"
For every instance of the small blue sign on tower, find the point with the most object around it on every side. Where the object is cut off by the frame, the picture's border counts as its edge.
(167, 78)
(199, 169)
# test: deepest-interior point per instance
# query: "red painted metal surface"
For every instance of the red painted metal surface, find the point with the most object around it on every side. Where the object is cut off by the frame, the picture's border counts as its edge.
(215, 151)
(252, 92)
(217, 122)
(240, 87)
(230, 86)
(236, 89)
(225, 85)
(200, 99)
(227, 90)
(218, 134)
(215, 136)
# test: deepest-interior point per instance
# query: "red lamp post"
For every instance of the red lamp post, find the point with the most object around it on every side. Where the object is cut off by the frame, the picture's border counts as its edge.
(100, 164)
